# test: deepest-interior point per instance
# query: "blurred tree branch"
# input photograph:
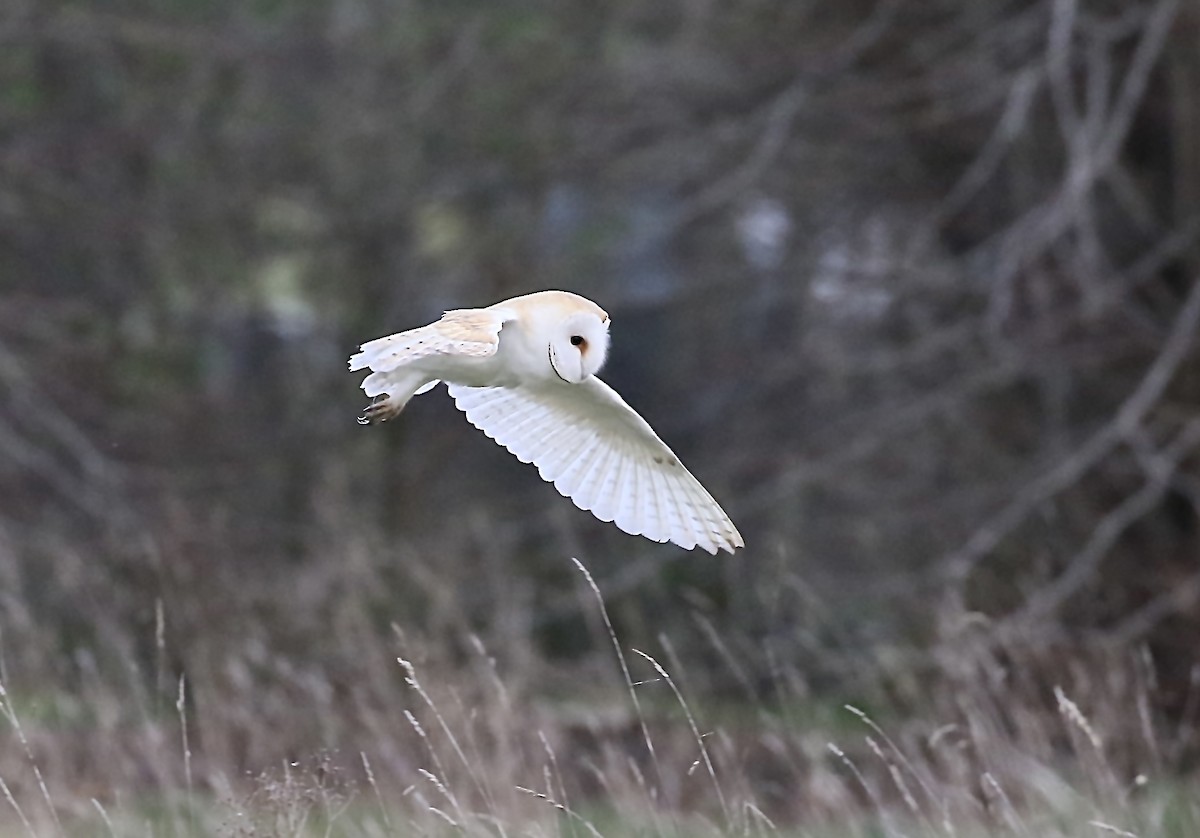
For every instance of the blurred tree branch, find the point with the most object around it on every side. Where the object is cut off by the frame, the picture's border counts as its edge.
(1124, 426)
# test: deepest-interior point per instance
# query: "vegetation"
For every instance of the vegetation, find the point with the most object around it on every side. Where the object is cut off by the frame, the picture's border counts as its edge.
(911, 287)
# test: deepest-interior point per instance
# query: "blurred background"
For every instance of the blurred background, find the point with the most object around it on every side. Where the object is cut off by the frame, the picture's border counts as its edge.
(912, 288)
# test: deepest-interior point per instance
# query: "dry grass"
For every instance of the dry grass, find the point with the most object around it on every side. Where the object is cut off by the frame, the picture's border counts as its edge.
(987, 741)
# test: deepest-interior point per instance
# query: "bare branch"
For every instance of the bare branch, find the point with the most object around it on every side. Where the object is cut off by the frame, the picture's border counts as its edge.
(1070, 469)
(1082, 568)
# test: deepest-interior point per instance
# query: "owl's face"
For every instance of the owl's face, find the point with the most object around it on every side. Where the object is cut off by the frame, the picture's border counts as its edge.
(578, 346)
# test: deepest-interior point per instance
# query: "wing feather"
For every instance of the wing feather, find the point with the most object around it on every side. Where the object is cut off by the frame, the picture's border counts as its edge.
(670, 519)
(646, 513)
(628, 488)
(575, 479)
(470, 332)
(599, 452)
(603, 492)
(679, 503)
(617, 490)
(587, 478)
(563, 446)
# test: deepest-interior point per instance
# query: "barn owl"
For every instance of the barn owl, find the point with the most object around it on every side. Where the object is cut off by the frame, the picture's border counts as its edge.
(524, 372)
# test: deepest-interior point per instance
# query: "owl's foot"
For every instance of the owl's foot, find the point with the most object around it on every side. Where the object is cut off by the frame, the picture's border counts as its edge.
(381, 409)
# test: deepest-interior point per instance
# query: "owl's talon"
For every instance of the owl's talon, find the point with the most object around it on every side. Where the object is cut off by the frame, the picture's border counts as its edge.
(380, 410)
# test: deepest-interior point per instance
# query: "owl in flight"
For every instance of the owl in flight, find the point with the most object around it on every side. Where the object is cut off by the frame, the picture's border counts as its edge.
(524, 373)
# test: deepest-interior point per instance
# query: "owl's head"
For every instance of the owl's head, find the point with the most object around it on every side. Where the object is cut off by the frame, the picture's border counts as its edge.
(578, 345)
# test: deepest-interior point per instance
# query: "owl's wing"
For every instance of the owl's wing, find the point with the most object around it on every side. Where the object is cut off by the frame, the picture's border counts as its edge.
(472, 331)
(396, 374)
(600, 453)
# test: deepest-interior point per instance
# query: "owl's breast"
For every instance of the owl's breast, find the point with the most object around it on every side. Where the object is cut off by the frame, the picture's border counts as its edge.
(522, 357)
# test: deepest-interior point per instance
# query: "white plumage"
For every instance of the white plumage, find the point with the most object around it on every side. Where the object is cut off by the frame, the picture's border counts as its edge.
(523, 372)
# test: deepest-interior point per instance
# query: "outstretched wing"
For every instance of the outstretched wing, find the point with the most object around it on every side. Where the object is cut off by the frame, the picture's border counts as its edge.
(396, 372)
(600, 453)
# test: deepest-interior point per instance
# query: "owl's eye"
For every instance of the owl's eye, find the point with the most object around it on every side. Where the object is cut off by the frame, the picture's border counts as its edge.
(576, 340)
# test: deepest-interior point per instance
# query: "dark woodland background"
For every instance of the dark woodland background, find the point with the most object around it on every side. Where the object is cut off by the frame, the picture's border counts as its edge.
(911, 287)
